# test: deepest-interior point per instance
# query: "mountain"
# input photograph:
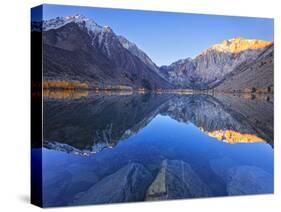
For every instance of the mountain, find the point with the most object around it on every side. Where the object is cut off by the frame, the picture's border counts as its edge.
(78, 49)
(253, 76)
(212, 65)
(80, 53)
(178, 72)
(137, 52)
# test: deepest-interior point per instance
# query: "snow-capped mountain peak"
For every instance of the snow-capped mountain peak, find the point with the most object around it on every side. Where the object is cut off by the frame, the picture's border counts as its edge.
(81, 20)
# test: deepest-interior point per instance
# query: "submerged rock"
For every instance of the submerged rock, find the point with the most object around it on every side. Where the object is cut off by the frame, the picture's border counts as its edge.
(176, 180)
(249, 180)
(126, 185)
(220, 166)
(63, 184)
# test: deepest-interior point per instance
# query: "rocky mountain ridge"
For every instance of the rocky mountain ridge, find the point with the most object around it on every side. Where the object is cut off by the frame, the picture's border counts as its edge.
(210, 67)
(107, 60)
(101, 61)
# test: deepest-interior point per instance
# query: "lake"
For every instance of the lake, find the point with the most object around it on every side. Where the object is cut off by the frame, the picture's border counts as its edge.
(108, 147)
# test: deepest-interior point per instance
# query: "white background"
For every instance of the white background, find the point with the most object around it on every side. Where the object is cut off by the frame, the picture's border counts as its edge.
(15, 103)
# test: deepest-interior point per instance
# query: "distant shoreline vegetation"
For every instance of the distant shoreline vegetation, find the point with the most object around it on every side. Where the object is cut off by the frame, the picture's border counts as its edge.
(77, 85)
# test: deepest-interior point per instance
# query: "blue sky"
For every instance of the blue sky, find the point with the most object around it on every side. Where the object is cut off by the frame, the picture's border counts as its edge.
(167, 37)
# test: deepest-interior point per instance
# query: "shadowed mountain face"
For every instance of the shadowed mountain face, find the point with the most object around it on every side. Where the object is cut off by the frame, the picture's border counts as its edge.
(100, 121)
(83, 51)
(137, 52)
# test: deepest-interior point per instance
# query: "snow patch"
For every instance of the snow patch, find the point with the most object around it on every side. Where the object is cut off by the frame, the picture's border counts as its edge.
(83, 22)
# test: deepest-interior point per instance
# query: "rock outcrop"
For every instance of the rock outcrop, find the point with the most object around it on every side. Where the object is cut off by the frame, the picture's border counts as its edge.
(176, 180)
(128, 184)
(249, 180)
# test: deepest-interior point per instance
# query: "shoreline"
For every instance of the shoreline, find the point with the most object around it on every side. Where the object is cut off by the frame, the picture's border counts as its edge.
(75, 85)
(183, 91)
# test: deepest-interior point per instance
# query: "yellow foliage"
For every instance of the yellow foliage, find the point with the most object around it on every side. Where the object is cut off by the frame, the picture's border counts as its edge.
(64, 94)
(231, 136)
(64, 84)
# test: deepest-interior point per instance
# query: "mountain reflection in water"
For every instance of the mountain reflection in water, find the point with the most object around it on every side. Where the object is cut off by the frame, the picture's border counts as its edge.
(119, 148)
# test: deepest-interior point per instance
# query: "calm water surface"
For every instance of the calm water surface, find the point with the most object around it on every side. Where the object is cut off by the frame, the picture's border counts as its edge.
(108, 148)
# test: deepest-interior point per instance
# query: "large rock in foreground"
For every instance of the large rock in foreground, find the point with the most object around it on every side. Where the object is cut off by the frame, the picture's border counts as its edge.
(128, 184)
(249, 180)
(176, 180)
